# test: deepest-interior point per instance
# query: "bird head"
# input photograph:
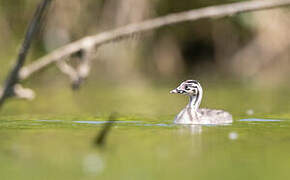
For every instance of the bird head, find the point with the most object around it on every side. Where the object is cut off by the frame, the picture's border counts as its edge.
(188, 87)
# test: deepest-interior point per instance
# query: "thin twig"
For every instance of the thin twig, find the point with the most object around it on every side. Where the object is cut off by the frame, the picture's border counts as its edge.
(90, 42)
(67, 69)
(13, 77)
(84, 67)
(81, 72)
(23, 93)
(127, 31)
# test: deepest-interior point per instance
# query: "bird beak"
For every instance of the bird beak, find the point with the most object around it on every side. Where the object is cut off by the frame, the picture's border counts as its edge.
(174, 91)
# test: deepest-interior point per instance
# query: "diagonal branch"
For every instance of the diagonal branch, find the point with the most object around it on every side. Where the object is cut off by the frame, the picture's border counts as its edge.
(89, 43)
(84, 67)
(81, 72)
(67, 69)
(13, 77)
(129, 30)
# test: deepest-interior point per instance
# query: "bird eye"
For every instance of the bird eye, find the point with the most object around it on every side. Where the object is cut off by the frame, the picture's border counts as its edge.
(186, 87)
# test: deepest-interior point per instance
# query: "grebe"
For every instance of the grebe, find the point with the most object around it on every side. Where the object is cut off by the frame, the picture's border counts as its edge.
(191, 114)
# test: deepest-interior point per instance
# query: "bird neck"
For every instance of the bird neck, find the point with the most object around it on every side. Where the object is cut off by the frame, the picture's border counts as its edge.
(194, 101)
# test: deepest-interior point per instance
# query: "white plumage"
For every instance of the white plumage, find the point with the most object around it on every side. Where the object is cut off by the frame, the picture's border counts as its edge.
(191, 114)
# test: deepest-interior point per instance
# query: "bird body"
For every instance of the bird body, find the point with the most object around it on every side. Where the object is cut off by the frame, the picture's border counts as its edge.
(192, 114)
(203, 116)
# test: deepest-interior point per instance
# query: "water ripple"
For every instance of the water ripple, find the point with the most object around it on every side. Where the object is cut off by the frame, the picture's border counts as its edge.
(260, 120)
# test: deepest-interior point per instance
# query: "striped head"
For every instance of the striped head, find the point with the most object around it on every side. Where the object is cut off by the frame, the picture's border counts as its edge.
(188, 87)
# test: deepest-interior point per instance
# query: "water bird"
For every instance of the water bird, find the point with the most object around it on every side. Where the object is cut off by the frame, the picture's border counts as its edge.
(192, 114)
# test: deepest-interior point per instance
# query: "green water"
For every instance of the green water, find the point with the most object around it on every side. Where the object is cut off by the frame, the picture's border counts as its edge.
(143, 143)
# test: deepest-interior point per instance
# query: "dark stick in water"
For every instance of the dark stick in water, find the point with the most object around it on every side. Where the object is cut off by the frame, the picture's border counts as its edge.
(101, 137)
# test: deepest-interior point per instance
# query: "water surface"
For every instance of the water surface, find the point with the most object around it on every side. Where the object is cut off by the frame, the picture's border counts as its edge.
(144, 149)
(143, 143)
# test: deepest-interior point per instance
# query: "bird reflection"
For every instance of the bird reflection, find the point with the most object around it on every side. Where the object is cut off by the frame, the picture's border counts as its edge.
(192, 129)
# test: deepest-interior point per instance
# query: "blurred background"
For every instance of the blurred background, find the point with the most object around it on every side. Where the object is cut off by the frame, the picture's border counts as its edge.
(241, 61)
(242, 58)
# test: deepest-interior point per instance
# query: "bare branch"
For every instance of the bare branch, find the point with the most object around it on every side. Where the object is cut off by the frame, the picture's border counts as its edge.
(65, 68)
(20, 92)
(88, 44)
(13, 77)
(78, 75)
(23, 93)
(84, 67)
(127, 31)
